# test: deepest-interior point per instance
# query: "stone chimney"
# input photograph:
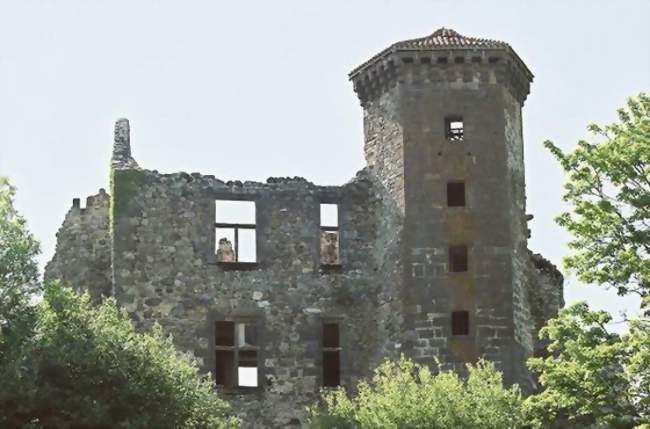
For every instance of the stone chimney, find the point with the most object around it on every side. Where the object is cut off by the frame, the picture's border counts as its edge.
(122, 146)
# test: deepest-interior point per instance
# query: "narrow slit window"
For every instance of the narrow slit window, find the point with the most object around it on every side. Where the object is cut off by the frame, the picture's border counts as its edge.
(331, 355)
(458, 259)
(459, 323)
(236, 353)
(455, 129)
(235, 231)
(456, 194)
(329, 235)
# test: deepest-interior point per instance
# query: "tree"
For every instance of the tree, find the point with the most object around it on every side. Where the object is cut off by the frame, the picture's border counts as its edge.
(86, 366)
(593, 378)
(66, 363)
(18, 267)
(404, 395)
(609, 194)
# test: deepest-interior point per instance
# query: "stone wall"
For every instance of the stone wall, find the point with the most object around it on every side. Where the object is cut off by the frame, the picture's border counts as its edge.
(166, 272)
(83, 251)
(546, 297)
(386, 279)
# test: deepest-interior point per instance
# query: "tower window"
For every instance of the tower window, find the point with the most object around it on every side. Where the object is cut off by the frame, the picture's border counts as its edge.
(236, 362)
(235, 227)
(329, 235)
(454, 128)
(458, 259)
(331, 355)
(460, 323)
(456, 194)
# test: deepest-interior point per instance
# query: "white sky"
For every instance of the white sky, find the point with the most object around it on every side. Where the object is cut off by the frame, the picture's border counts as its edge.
(248, 90)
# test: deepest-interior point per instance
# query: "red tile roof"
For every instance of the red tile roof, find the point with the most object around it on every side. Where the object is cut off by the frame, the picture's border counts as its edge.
(448, 38)
(443, 38)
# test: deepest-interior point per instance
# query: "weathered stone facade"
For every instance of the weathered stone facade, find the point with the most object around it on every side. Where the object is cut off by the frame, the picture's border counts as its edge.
(385, 276)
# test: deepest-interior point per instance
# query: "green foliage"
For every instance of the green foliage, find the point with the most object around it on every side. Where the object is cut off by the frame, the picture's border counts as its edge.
(404, 395)
(18, 268)
(124, 185)
(86, 366)
(593, 378)
(609, 193)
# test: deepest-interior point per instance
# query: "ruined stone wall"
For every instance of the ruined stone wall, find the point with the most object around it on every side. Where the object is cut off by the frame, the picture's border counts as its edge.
(153, 245)
(83, 252)
(166, 272)
(384, 143)
(545, 295)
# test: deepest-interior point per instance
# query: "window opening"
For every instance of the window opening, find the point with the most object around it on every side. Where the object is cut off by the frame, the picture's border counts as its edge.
(458, 259)
(456, 194)
(460, 323)
(454, 129)
(235, 231)
(236, 354)
(331, 355)
(329, 235)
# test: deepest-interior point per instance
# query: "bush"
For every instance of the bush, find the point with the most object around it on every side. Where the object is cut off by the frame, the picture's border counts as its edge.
(86, 366)
(404, 395)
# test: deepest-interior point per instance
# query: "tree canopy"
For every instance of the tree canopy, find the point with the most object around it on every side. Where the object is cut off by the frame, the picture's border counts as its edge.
(405, 395)
(608, 191)
(65, 363)
(19, 278)
(592, 377)
(87, 366)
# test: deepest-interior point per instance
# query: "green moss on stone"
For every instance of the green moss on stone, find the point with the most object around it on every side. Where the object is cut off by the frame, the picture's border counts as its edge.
(124, 185)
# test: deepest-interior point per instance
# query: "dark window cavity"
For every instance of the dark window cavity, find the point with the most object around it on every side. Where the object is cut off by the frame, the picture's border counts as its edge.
(456, 194)
(236, 353)
(460, 323)
(331, 355)
(454, 128)
(329, 235)
(458, 259)
(235, 231)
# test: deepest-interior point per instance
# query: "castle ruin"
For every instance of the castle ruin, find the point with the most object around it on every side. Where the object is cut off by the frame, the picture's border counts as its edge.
(423, 253)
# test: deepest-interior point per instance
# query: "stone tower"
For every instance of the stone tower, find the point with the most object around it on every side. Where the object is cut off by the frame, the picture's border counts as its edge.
(424, 254)
(443, 133)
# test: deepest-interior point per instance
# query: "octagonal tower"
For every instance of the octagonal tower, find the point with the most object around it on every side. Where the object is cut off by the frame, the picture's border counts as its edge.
(443, 133)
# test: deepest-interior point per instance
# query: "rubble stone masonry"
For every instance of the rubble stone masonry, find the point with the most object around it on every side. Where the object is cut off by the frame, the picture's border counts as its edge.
(401, 267)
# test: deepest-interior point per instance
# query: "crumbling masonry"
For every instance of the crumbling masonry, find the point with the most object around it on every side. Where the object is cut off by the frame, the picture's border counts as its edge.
(427, 257)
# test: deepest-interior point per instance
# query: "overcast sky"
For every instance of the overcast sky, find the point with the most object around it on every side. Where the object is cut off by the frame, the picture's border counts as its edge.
(248, 90)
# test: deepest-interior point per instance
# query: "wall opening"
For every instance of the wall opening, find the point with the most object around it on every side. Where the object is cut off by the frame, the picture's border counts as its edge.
(459, 323)
(329, 235)
(331, 355)
(456, 194)
(235, 231)
(236, 349)
(458, 258)
(454, 128)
